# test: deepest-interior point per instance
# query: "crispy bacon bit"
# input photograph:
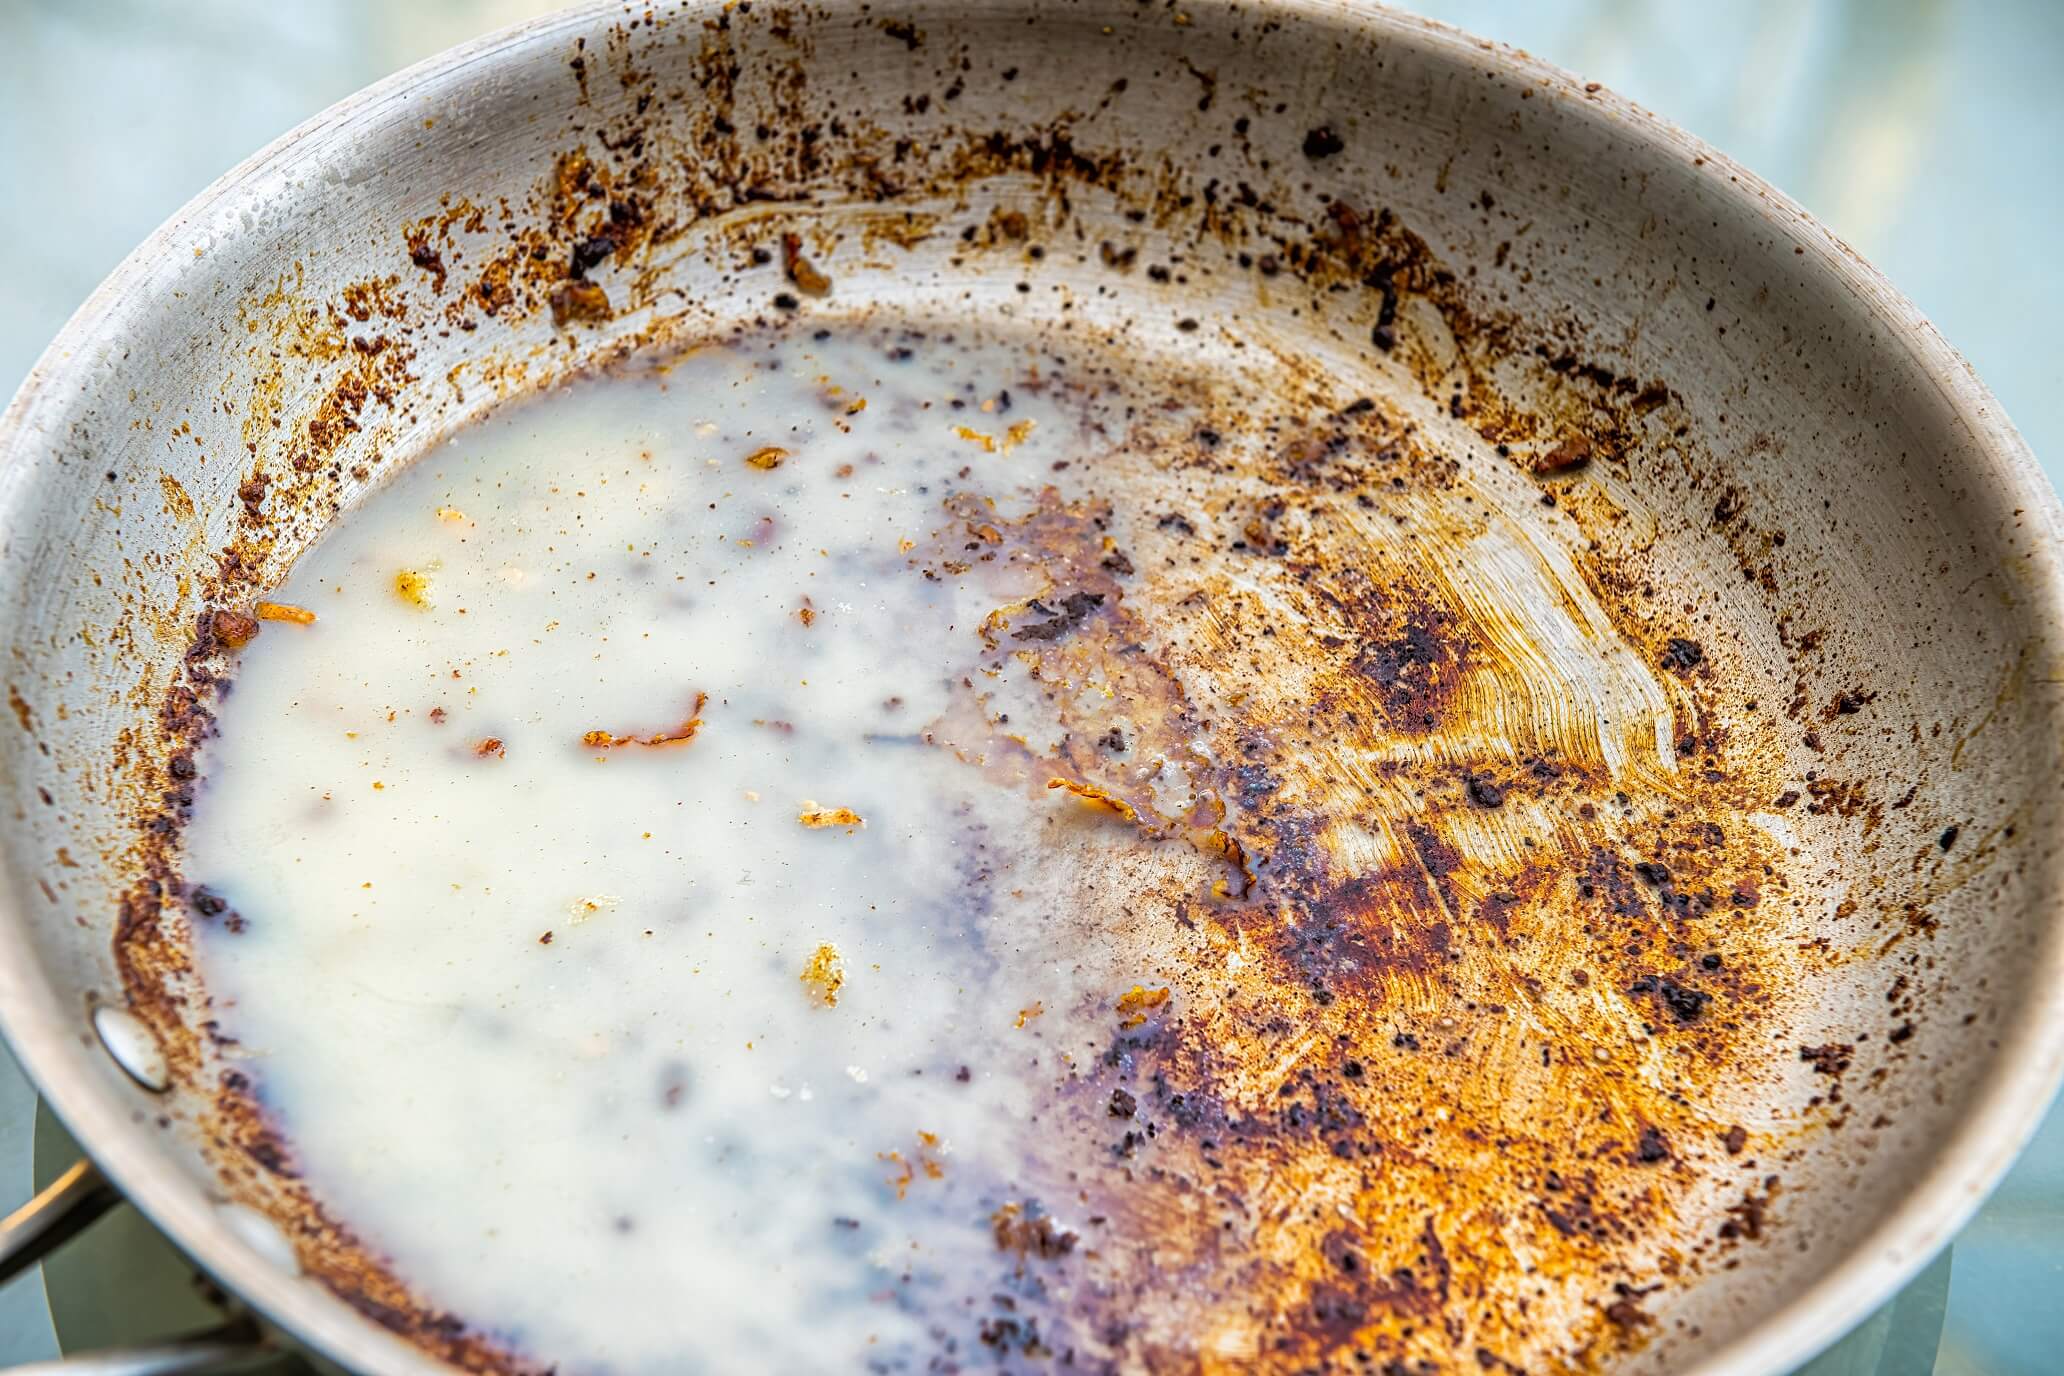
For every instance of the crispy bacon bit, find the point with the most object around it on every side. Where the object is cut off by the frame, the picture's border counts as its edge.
(284, 611)
(573, 301)
(437, 715)
(232, 630)
(1096, 797)
(824, 974)
(491, 745)
(806, 613)
(766, 458)
(1137, 1002)
(816, 817)
(680, 735)
(808, 280)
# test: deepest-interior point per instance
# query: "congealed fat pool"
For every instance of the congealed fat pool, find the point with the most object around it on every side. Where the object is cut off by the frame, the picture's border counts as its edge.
(892, 848)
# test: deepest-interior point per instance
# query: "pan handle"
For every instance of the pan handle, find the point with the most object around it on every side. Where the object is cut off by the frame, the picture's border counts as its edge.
(228, 1348)
(64, 1209)
(57, 1215)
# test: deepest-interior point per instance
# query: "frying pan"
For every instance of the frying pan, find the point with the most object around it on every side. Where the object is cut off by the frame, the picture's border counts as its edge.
(1710, 395)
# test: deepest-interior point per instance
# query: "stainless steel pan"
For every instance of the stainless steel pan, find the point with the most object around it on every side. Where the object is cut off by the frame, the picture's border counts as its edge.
(1576, 294)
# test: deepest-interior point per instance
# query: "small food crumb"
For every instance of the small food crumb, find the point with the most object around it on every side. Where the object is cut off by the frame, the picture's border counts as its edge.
(808, 280)
(766, 458)
(491, 745)
(1681, 656)
(573, 301)
(1322, 142)
(680, 735)
(412, 587)
(233, 629)
(817, 817)
(1019, 1231)
(1096, 797)
(284, 611)
(1572, 453)
(1026, 1014)
(824, 974)
(1137, 1002)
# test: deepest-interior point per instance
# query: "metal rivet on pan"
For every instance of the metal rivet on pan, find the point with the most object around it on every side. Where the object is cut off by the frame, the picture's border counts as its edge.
(262, 1234)
(133, 1045)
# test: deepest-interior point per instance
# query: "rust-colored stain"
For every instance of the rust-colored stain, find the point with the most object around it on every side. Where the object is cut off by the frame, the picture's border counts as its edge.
(1475, 979)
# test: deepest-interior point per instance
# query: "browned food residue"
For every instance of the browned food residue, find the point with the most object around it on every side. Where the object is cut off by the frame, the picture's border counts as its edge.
(808, 280)
(284, 611)
(824, 974)
(583, 302)
(679, 735)
(1137, 1002)
(233, 630)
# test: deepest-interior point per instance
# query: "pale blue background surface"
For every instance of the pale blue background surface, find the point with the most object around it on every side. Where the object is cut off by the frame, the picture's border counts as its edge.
(1928, 133)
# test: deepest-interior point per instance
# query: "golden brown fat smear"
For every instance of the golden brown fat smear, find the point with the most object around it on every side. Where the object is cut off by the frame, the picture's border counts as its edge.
(1394, 937)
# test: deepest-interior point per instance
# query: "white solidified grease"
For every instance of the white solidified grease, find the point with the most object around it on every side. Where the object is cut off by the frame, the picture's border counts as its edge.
(646, 1144)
